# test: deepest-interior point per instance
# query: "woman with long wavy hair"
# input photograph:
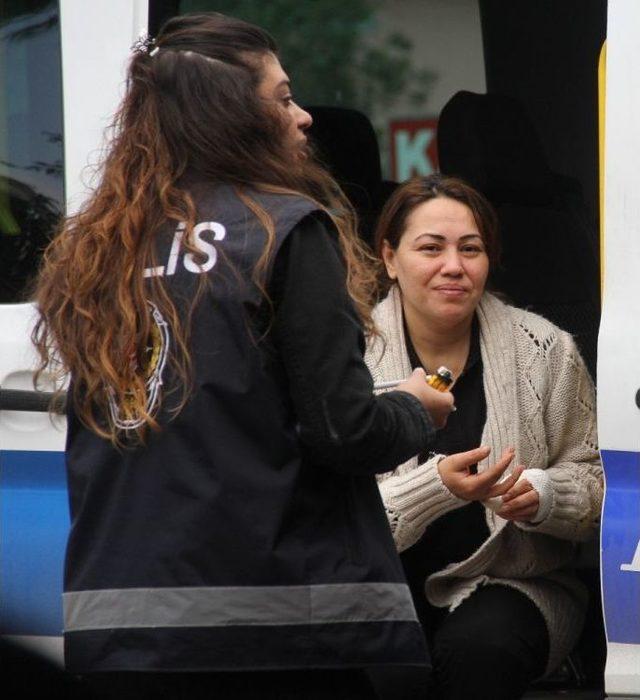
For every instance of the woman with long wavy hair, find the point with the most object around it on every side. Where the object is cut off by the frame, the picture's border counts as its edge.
(207, 304)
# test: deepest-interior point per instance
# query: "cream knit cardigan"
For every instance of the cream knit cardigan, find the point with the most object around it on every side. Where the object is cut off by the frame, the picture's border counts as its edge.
(540, 400)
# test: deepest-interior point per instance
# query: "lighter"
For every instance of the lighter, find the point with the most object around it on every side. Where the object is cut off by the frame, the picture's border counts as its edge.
(441, 380)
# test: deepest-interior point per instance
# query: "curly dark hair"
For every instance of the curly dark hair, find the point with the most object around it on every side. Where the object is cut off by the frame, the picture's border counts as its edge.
(191, 106)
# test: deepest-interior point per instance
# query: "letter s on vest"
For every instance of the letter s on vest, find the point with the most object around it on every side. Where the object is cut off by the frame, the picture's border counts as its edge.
(207, 248)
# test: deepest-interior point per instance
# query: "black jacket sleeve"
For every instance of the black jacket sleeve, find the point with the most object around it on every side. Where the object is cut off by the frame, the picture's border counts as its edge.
(317, 332)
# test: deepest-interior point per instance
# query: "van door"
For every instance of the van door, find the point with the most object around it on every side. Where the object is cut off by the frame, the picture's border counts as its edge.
(33, 507)
(619, 354)
(56, 58)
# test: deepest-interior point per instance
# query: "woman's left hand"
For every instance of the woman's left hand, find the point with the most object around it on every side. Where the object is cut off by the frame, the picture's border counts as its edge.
(520, 502)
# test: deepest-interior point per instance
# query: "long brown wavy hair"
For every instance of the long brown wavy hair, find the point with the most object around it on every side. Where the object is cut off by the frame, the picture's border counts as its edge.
(191, 107)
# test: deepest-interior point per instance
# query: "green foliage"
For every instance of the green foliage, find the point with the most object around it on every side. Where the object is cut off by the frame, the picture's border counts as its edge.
(333, 50)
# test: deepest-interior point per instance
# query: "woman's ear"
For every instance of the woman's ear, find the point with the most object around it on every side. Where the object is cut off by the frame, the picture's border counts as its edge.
(389, 258)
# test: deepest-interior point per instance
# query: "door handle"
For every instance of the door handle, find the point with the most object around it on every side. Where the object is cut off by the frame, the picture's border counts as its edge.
(32, 401)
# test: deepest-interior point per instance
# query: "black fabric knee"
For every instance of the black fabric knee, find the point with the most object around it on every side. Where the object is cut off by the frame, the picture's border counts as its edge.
(490, 647)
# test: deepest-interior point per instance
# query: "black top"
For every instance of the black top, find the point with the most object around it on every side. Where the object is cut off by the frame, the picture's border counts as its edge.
(464, 427)
(457, 534)
(320, 342)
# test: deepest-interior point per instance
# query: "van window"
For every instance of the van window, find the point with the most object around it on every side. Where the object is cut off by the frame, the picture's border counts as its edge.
(396, 61)
(31, 155)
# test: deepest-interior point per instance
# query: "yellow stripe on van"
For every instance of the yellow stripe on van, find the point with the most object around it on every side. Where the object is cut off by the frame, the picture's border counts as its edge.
(602, 87)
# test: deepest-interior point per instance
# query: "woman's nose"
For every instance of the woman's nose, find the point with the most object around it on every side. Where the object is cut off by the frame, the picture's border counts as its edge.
(303, 118)
(452, 263)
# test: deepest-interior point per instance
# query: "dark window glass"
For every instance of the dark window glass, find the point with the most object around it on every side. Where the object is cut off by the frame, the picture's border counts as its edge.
(31, 155)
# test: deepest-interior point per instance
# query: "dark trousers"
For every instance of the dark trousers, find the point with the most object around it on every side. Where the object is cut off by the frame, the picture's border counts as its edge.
(489, 648)
(257, 685)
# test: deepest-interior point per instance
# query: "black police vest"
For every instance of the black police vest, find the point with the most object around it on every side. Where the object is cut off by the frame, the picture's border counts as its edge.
(216, 546)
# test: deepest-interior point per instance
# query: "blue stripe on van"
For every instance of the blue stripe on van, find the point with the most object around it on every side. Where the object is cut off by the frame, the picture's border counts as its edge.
(34, 522)
(620, 541)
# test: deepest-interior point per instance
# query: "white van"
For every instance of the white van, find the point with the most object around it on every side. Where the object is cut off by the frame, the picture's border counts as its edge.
(399, 61)
(61, 75)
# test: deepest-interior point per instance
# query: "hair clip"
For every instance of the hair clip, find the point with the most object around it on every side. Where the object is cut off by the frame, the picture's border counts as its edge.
(145, 45)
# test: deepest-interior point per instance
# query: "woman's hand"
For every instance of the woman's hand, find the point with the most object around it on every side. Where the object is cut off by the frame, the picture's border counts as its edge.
(455, 472)
(438, 404)
(520, 502)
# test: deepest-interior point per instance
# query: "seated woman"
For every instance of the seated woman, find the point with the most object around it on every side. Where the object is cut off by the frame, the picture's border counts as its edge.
(488, 561)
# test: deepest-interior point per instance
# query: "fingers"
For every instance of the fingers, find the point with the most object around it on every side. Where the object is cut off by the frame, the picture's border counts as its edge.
(522, 507)
(438, 404)
(461, 461)
(456, 475)
(489, 477)
(522, 515)
(518, 489)
(504, 486)
(441, 405)
(531, 498)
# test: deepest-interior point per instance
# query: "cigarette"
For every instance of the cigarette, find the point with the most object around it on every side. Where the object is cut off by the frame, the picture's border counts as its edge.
(388, 385)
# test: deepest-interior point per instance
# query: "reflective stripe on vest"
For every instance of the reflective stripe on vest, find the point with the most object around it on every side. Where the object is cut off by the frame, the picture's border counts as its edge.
(245, 605)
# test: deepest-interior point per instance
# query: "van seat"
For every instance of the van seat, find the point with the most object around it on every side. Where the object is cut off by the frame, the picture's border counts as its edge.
(549, 257)
(346, 143)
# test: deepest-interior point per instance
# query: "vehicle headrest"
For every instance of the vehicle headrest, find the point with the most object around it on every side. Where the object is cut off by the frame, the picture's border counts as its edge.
(490, 141)
(347, 145)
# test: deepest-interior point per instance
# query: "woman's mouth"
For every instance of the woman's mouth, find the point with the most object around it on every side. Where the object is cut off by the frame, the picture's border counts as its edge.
(451, 290)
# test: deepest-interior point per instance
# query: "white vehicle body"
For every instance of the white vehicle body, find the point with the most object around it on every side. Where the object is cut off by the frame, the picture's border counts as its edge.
(95, 45)
(619, 354)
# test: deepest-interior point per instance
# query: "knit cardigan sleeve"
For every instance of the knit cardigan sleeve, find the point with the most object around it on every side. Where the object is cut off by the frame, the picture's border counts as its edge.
(571, 486)
(413, 498)
(413, 494)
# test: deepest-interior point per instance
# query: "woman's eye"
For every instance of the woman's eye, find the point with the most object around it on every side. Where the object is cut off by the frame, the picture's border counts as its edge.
(471, 250)
(287, 100)
(431, 248)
